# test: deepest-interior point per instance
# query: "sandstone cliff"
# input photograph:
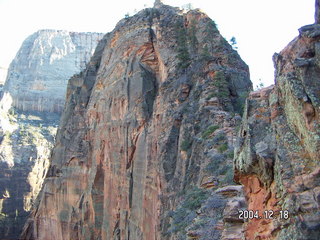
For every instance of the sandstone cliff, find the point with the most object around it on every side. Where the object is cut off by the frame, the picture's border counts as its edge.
(36, 82)
(147, 127)
(37, 77)
(278, 151)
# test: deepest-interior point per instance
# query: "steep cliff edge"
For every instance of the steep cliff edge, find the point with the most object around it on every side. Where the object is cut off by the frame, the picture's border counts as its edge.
(149, 122)
(278, 151)
(34, 95)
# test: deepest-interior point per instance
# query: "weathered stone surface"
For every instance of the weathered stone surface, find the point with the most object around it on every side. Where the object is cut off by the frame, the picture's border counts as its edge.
(137, 132)
(233, 222)
(24, 162)
(38, 75)
(218, 217)
(37, 81)
(278, 148)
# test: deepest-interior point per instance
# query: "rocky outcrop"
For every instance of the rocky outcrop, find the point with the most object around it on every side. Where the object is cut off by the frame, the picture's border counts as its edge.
(278, 151)
(38, 75)
(218, 217)
(24, 162)
(148, 123)
(34, 90)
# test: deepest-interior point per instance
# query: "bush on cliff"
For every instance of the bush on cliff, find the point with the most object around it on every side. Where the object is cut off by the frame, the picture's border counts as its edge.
(186, 212)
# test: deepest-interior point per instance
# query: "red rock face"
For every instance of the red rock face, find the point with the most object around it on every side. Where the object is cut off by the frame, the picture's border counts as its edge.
(133, 130)
(262, 201)
(150, 116)
(277, 155)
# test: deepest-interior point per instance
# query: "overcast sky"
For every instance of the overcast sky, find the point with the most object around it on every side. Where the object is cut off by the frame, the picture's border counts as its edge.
(261, 27)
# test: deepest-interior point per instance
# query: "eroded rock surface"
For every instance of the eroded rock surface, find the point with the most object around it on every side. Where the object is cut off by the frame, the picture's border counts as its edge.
(148, 122)
(30, 109)
(278, 151)
(24, 162)
(38, 76)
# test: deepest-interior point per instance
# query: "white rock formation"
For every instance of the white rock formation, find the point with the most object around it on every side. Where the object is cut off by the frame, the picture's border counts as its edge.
(37, 77)
(3, 75)
(37, 81)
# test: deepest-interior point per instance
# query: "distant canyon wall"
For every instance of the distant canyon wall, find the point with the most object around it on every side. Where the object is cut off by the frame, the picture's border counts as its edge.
(38, 75)
(33, 98)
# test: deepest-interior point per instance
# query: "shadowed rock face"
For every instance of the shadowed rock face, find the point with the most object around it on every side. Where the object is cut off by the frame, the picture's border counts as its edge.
(278, 151)
(38, 75)
(140, 125)
(24, 162)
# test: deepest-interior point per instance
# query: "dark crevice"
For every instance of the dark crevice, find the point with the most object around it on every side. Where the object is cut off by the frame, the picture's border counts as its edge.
(170, 155)
(149, 89)
(98, 196)
(116, 231)
(130, 156)
(127, 145)
(149, 78)
(130, 188)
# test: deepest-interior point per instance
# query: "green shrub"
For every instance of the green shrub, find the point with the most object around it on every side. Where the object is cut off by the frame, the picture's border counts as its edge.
(209, 131)
(192, 34)
(219, 138)
(219, 166)
(182, 48)
(185, 145)
(194, 198)
(212, 25)
(209, 33)
(224, 169)
(230, 154)
(64, 215)
(241, 102)
(200, 223)
(186, 212)
(222, 148)
(211, 95)
(228, 178)
(152, 13)
(214, 164)
(221, 84)
(205, 54)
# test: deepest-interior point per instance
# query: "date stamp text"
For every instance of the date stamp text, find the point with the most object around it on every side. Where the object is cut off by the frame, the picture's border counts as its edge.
(267, 214)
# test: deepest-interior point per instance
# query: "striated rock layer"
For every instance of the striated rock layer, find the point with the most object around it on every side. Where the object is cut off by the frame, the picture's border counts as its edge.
(38, 75)
(37, 82)
(278, 152)
(150, 117)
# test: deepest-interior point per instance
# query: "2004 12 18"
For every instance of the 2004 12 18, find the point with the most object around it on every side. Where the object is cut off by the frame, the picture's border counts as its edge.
(267, 214)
